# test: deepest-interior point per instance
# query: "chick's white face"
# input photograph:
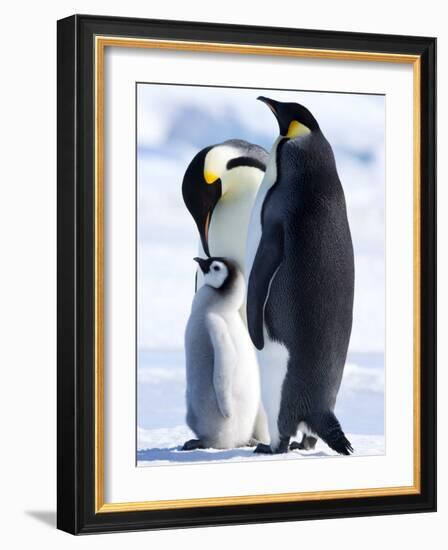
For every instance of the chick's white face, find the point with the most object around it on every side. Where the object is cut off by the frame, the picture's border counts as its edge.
(216, 275)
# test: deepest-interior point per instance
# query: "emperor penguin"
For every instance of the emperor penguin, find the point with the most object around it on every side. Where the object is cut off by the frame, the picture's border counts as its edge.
(223, 386)
(301, 284)
(219, 189)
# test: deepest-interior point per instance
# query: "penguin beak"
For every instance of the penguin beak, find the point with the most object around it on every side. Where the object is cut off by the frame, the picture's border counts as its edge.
(200, 198)
(204, 212)
(271, 103)
(276, 108)
(203, 264)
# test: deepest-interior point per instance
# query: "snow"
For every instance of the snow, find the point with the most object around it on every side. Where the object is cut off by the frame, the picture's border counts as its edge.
(161, 412)
(162, 446)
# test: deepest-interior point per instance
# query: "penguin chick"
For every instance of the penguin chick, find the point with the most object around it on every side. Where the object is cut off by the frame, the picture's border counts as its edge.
(223, 386)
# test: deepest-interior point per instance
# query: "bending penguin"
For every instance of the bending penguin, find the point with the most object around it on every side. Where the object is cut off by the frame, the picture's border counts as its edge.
(223, 386)
(301, 284)
(219, 189)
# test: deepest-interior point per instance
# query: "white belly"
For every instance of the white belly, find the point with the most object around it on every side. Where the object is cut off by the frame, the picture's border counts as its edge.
(228, 229)
(273, 358)
(273, 363)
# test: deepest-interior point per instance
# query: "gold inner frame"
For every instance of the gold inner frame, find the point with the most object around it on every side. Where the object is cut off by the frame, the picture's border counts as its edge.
(101, 42)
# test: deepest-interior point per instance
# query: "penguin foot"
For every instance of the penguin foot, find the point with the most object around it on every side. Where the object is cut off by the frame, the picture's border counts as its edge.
(192, 444)
(282, 447)
(308, 443)
(262, 448)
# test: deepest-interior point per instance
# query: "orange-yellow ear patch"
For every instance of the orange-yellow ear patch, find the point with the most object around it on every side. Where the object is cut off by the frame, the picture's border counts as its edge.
(210, 177)
(296, 129)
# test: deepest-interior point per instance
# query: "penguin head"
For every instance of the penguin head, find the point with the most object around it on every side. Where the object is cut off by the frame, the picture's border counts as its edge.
(218, 272)
(215, 171)
(294, 120)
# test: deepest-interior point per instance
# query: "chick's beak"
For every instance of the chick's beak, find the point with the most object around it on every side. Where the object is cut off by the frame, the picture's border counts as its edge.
(203, 264)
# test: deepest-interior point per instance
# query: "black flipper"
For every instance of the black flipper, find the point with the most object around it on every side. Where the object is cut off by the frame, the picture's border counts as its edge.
(267, 261)
(327, 427)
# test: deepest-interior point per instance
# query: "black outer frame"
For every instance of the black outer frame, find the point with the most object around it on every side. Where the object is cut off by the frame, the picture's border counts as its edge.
(75, 172)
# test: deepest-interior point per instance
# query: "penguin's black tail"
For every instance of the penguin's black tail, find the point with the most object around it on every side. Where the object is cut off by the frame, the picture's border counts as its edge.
(327, 427)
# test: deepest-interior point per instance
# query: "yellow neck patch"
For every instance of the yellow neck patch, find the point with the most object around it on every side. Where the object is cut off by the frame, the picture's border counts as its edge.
(210, 177)
(296, 129)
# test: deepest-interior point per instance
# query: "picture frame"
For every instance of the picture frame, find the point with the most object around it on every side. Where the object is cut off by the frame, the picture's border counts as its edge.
(82, 42)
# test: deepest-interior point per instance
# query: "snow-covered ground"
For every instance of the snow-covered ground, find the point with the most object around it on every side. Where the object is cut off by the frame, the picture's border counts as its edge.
(161, 412)
(161, 449)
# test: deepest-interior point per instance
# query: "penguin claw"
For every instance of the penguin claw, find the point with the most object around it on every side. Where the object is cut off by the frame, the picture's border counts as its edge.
(262, 448)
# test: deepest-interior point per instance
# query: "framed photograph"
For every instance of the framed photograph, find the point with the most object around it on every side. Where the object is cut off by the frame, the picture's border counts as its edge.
(246, 274)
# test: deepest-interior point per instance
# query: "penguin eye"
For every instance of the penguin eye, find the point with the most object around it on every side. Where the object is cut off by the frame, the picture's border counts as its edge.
(216, 268)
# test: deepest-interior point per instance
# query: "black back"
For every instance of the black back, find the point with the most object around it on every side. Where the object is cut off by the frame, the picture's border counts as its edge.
(305, 265)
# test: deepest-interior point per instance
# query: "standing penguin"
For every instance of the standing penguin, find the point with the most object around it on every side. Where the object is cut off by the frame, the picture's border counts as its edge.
(301, 284)
(219, 189)
(223, 386)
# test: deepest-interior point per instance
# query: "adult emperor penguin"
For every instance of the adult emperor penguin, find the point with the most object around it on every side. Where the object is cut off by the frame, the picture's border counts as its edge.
(219, 189)
(223, 386)
(301, 284)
